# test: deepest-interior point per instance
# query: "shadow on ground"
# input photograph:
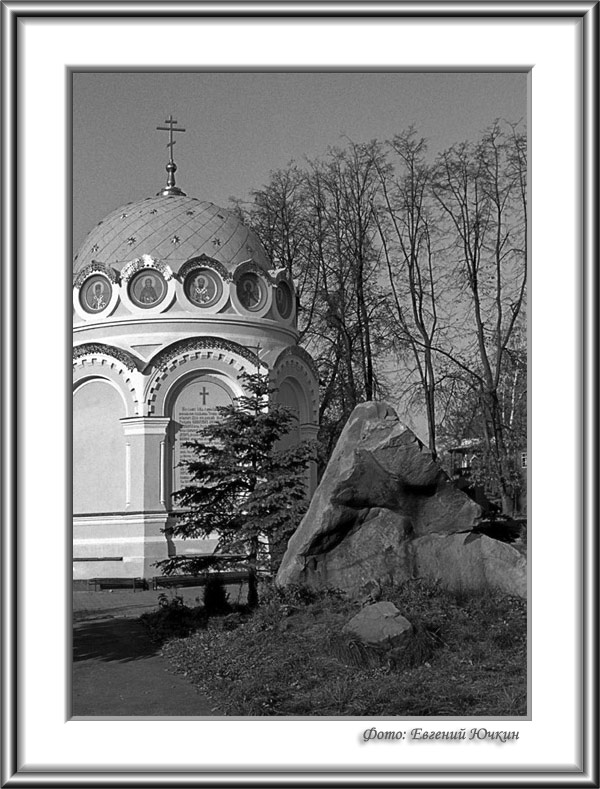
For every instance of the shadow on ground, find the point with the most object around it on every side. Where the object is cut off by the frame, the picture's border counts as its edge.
(112, 639)
(118, 671)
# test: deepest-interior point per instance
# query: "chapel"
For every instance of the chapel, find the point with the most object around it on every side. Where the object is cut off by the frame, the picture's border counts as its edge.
(173, 299)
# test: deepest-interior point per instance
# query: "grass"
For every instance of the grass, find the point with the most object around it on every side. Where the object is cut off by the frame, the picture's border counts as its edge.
(468, 657)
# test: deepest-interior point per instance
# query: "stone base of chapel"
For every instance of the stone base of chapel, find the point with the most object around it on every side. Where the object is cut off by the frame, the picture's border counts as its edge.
(126, 545)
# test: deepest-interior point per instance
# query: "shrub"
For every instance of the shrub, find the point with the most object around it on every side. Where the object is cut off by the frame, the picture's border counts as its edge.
(173, 619)
(216, 599)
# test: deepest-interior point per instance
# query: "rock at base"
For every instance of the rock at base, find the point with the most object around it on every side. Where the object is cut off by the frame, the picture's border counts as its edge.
(379, 625)
(469, 561)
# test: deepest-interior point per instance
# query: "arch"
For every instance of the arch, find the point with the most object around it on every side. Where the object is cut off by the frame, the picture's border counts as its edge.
(94, 365)
(201, 261)
(94, 268)
(95, 348)
(143, 262)
(79, 383)
(294, 391)
(290, 394)
(297, 368)
(99, 447)
(188, 357)
(189, 374)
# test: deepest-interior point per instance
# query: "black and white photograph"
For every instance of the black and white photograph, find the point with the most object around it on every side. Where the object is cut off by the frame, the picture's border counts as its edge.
(300, 394)
(299, 326)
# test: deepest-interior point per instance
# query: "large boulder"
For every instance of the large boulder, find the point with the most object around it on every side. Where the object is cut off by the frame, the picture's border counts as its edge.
(374, 550)
(379, 625)
(385, 511)
(469, 561)
(381, 489)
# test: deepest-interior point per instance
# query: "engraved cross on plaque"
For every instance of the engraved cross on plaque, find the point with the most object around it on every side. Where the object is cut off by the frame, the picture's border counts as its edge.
(204, 394)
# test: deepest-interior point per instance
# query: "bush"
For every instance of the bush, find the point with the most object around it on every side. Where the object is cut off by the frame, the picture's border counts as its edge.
(216, 599)
(173, 619)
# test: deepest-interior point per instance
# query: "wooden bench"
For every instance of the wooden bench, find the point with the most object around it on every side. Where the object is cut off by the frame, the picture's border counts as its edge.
(117, 583)
(173, 581)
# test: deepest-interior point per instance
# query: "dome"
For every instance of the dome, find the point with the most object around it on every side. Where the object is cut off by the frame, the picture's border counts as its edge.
(172, 229)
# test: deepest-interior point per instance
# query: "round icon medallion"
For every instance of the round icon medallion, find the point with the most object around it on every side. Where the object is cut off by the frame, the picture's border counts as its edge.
(203, 287)
(95, 293)
(283, 299)
(147, 288)
(252, 292)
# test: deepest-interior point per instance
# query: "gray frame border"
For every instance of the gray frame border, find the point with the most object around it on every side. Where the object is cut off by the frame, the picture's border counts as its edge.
(586, 12)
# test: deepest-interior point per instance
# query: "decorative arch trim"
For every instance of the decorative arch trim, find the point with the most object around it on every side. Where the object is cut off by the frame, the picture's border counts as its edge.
(110, 370)
(95, 268)
(296, 352)
(145, 261)
(165, 357)
(82, 381)
(203, 261)
(188, 356)
(95, 348)
(297, 366)
(249, 266)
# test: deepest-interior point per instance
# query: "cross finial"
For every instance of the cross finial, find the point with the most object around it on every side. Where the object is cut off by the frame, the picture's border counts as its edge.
(170, 188)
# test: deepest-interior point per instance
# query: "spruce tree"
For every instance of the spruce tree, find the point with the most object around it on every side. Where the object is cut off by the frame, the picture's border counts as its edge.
(242, 487)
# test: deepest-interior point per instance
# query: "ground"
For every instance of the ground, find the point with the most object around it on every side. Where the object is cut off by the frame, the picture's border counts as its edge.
(467, 657)
(117, 670)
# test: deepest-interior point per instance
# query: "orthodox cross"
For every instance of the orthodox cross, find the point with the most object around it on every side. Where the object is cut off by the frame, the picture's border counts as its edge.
(170, 120)
(170, 188)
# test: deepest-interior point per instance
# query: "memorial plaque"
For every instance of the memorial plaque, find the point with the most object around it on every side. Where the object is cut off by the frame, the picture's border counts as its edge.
(196, 407)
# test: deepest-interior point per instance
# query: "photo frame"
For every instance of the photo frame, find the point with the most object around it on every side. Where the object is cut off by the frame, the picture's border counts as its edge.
(557, 44)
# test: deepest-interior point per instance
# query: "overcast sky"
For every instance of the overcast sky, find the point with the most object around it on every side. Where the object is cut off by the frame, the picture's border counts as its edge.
(239, 126)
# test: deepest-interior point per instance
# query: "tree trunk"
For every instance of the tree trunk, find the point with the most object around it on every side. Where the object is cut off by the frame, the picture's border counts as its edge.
(253, 574)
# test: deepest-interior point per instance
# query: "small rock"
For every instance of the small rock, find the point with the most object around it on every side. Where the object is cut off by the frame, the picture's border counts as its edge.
(232, 621)
(380, 624)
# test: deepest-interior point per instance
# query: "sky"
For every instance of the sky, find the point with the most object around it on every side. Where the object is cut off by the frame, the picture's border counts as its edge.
(240, 125)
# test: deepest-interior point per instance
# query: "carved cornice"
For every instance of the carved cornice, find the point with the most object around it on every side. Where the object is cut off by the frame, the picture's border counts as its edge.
(91, 348)
(163, 359)
(145, 261)
(204, 261)
(282, 275)
(254, 268)
(94, 268)
(295, 351)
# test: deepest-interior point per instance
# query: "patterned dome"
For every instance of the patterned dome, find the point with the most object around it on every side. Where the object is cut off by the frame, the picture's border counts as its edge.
(172, 229)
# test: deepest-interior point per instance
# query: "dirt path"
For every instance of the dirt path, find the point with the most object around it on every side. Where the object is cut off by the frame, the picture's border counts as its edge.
(118, 671)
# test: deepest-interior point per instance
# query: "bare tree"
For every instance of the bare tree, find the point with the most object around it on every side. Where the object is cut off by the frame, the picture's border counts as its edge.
(407, 227)
(319, 223)
(482, 192)
(391, 253)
